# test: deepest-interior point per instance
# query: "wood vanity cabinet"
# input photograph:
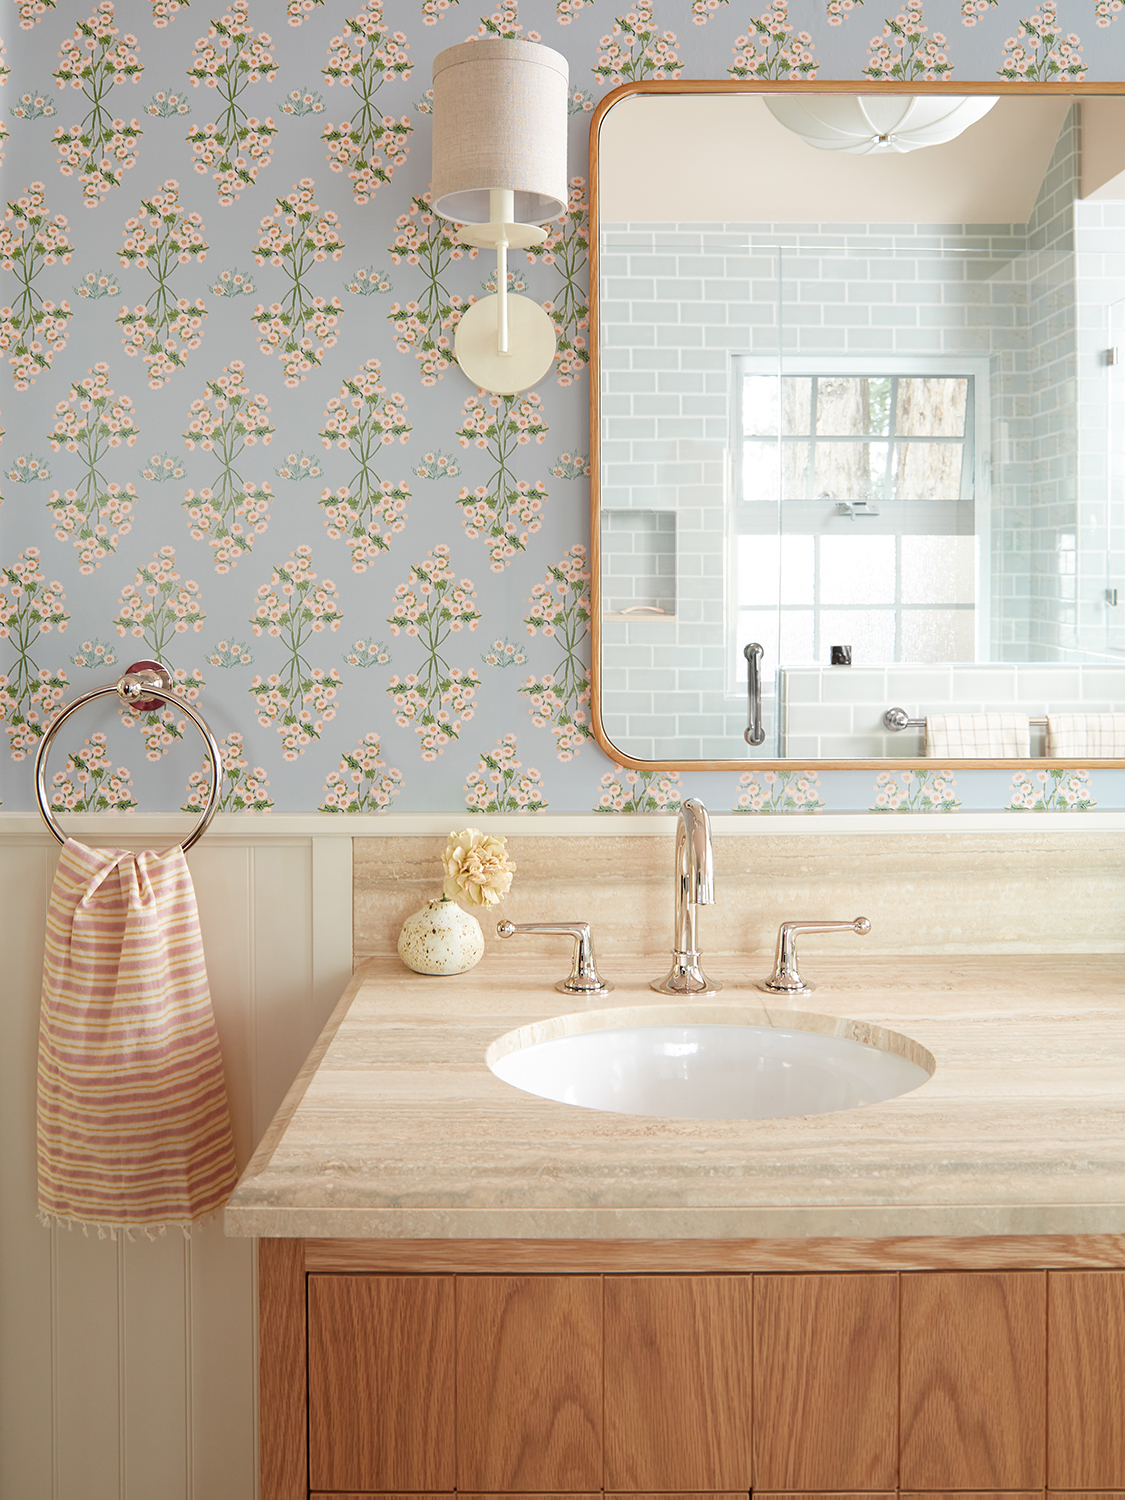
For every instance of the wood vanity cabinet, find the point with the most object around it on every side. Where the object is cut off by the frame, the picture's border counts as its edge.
(610, 1382)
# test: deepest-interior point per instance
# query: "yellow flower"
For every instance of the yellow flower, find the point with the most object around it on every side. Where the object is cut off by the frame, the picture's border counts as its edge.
(476, 867)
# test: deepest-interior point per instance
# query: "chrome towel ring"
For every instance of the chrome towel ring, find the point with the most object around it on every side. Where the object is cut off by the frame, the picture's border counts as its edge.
(143, 687)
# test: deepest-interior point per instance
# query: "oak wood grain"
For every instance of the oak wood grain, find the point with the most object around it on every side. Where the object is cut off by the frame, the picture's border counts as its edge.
(529, 1383)
(1086, 1380)
(281, 1370)
(973, 1381)
(677, 1383)
(826, 1382)
(546, 1257)
(381, 1373)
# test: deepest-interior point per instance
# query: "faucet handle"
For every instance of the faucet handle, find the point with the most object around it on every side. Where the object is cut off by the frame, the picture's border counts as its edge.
(785, 980)
(584, 978)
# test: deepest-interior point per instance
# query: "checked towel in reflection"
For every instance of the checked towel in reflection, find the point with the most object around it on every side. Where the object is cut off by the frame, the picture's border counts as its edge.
(134, 1131)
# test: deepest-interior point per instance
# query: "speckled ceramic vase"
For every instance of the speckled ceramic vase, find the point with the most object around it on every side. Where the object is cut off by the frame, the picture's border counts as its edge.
(441, 939)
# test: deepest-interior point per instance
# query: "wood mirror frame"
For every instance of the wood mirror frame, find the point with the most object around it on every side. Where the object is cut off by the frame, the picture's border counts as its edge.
(1075, 91)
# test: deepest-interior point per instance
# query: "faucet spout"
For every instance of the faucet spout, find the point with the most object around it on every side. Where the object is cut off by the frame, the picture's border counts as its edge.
(695, 886)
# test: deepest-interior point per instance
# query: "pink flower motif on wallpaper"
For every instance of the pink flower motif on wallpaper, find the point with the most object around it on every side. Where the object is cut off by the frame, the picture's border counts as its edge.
(293, 607)
(90, 783)
(164, 328)
(156, 606)
(906, 50)
(31, 11)
(973, 10)
(363, 784)
(837, 10)
(560, 610)
(501, 785)
(366, 511)
(33, 330)
(29, 607)
(231, 511)
(499, 509)
(916, 791)
(505, 22)
(566, 248)
(370, 145)
(425, 324)
(635, 50)
(295, 237)
(297, 10)
(703, 10)
(1041, 52)
(244, 790)
(1053, 790)
(236, 145)
(1106, 11)
(640, 791)
(430, 606)
(164, 10)
(770, 50)
(779, 792)
(95, 514)
(102, 146)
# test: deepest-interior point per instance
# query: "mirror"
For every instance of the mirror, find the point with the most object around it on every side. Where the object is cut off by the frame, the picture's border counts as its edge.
(862, 411)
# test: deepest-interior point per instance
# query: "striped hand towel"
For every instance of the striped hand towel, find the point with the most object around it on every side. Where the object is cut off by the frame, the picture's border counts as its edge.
(978, 736)
(134, 1131)
(1091, 736)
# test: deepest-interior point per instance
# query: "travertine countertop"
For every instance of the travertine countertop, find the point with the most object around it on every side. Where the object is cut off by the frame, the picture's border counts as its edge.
(396, 1128)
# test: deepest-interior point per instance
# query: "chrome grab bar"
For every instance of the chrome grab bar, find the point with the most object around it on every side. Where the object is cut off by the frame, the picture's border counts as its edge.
(755, 734)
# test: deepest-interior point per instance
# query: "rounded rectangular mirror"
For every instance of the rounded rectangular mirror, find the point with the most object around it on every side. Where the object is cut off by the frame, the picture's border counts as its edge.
(858, 425)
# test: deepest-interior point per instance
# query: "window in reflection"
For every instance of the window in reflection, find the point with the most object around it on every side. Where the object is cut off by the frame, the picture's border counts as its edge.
(855, 513)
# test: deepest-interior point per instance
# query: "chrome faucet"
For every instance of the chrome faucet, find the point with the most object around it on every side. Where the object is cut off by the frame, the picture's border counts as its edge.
(695, 886)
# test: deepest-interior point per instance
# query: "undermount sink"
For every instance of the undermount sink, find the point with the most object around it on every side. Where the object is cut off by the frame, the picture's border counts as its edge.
(729, 1063)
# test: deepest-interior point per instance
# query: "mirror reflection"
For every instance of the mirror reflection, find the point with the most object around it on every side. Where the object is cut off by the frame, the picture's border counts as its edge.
(858, 405)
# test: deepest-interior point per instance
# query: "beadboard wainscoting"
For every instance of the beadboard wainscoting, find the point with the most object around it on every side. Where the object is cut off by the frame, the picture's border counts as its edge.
(128, 1370)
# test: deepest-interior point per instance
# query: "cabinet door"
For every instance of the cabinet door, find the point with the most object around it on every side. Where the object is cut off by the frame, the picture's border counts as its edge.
(1086, 1412)
(825, 1382)
(677, 1383)
(973, 1380)
(381, 1383)
(529, 1383)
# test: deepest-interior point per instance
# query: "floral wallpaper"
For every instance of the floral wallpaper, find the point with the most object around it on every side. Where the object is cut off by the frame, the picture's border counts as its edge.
(236, 438)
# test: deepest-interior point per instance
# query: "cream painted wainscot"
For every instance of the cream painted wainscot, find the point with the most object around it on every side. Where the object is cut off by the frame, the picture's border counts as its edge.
(466, 1289)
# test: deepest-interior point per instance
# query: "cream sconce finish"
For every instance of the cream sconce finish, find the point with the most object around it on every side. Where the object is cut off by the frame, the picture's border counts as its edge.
(836, 407)
(499, 150)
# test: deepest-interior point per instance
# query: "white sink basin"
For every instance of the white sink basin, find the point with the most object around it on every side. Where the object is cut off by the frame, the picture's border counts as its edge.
(677, 1066)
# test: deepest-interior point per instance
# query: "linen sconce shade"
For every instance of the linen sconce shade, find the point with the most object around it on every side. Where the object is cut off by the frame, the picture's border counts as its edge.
(500, 121)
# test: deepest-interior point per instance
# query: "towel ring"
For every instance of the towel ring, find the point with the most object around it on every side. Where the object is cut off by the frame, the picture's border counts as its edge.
(143, 687)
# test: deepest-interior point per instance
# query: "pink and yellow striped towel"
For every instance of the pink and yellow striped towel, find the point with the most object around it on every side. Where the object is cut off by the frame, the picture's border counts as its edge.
(134, 1131)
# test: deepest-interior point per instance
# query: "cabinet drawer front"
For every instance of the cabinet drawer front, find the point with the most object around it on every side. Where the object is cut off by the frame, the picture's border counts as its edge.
(529, 1383)
(1086, 1415)
(677, 1383)
(974, 1380)
(381, 1383)
(826, 1382)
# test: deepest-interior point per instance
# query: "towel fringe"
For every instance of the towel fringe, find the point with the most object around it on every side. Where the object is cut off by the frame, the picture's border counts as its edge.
(131, 1232)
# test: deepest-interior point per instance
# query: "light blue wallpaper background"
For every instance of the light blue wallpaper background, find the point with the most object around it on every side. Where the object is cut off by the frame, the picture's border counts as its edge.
(233, 435)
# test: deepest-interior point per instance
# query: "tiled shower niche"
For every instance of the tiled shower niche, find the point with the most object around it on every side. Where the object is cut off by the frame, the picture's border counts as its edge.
(638, 562)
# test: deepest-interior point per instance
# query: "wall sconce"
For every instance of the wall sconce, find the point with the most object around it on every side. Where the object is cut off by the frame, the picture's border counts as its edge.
(499, 169)
(870, 124)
